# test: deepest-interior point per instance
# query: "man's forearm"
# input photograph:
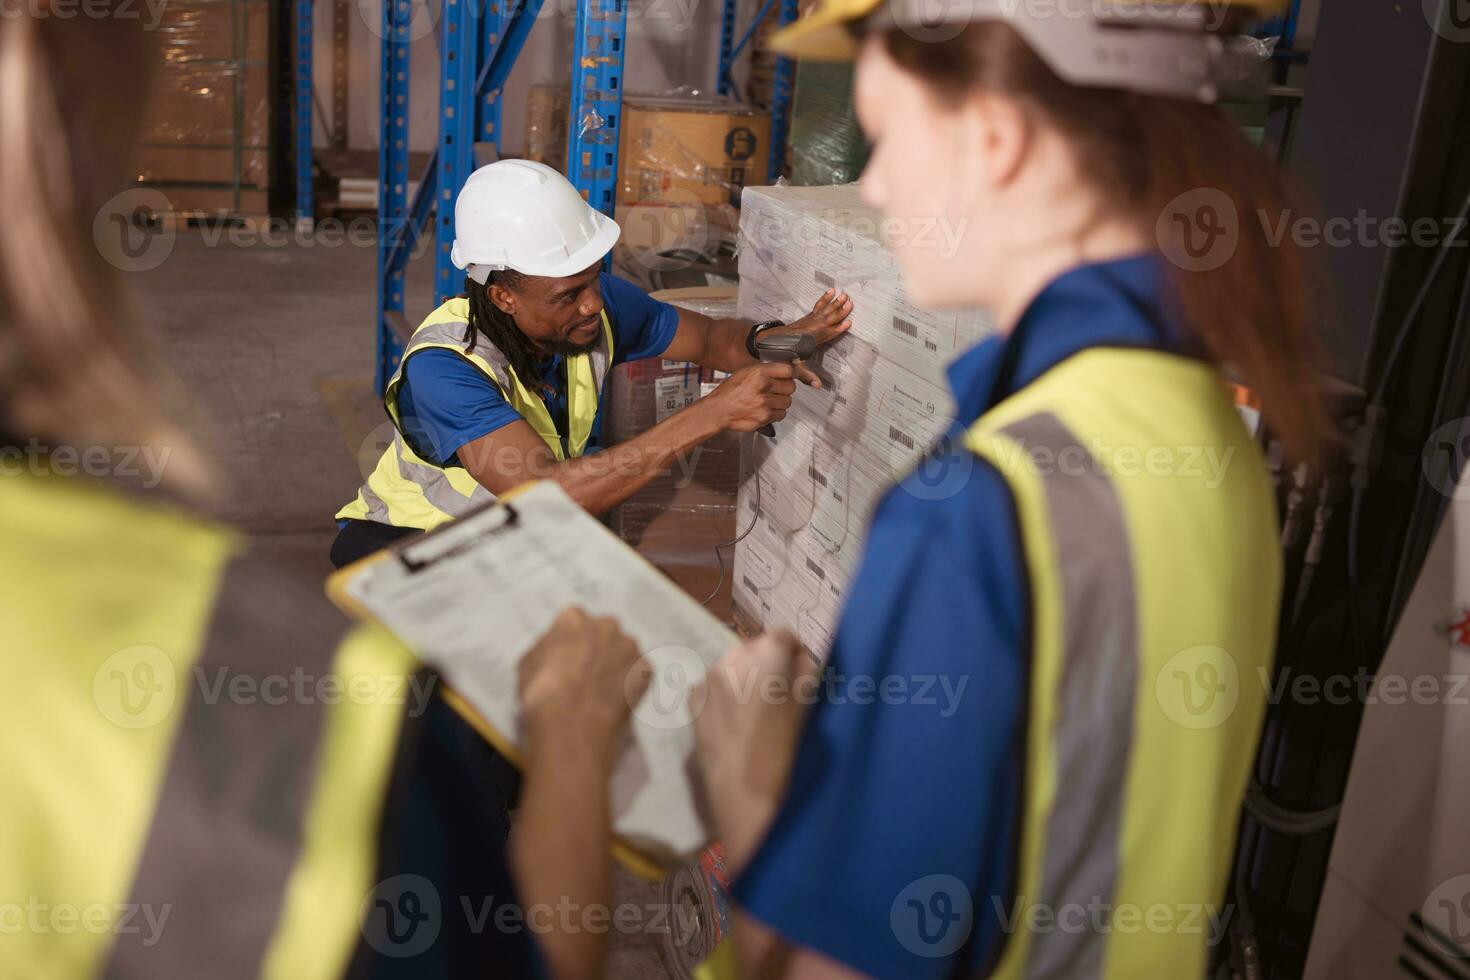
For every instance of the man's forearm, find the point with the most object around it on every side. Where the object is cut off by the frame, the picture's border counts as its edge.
(603, 480)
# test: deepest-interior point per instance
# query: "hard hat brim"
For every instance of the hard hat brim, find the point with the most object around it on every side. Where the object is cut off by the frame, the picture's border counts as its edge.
(602, 241)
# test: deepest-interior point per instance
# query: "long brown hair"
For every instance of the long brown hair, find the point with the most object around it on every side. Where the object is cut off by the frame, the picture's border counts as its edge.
(72, 356)
(1253, 314)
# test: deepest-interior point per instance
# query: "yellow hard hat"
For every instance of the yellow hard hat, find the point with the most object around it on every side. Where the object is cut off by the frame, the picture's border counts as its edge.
(1167, 47)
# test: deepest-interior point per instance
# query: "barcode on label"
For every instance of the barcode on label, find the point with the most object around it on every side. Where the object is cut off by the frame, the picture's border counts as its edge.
(905, 327)
(823, 278)
(816, 569)
(745, 581)
(900, 437)
(817, 476)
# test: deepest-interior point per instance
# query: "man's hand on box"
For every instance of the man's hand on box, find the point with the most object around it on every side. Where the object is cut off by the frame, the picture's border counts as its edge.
(829, 319)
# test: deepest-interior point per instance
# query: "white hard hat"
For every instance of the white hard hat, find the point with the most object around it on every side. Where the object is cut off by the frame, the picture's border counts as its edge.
(523, 215)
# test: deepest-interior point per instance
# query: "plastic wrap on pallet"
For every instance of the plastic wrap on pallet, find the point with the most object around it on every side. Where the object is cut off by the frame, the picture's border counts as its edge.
(683, 160)
(677, 519)
(827, 145)
(884, 400)
(206, 141)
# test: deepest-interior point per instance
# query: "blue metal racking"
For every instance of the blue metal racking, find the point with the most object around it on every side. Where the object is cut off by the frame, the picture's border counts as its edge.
(305, 205)
(479, 43)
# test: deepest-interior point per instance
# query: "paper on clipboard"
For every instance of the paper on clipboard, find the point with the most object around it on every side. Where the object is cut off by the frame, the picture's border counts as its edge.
(471, 598)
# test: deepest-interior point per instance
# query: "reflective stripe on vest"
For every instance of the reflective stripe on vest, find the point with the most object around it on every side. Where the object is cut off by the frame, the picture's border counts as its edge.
(232, 853)
(1150, 544)
(163, 769)
(408, 491)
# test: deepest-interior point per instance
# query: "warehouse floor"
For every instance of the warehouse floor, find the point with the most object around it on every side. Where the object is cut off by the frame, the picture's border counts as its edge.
(273, 347)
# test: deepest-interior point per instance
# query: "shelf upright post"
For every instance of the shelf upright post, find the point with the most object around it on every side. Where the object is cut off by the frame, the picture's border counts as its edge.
(492, 30)
(595, 121)
(392, 187)
(727, 45)
(458, 107)
(305, 205)
(781, 92)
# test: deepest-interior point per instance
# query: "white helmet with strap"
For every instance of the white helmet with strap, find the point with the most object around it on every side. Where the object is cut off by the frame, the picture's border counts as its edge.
(523, 215)
(1172, 48)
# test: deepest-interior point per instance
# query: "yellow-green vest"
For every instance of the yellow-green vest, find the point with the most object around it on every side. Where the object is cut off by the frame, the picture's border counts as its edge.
(158, 822)
(406, 490)
(1155, 577)
(1154, 586)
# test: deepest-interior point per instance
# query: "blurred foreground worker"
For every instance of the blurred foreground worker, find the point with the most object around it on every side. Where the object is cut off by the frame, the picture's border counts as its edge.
(206, 772)
(1062, 614)
(504, 384)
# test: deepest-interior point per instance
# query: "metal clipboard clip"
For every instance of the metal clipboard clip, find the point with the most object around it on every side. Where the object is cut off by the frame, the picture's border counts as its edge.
(458, 537)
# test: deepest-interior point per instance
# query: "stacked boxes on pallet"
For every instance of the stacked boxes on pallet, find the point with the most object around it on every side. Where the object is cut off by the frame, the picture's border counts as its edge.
(676, 521)
(206, 142)
(884, 401)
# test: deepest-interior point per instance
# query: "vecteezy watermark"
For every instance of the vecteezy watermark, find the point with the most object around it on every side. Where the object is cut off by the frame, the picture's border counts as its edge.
(1446, 916)
(412, 20)
(1366, 688)
(767, 234)
(126, 235)
(932, 916)
(145, 464)
(150, 12)
(138, 687)
(1100, 916)
(404, 915)
(1199, 687)
(1208, 464)
(37, 916)
(401, 916)
(1445, 454)
(1200, 230)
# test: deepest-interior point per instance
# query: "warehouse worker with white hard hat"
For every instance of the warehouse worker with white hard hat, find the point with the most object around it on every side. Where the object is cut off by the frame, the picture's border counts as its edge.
(504, 384)
(1060, 618)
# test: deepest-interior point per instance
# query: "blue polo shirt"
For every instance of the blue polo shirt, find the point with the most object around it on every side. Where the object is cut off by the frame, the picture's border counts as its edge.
(445, 402)
(897, 836)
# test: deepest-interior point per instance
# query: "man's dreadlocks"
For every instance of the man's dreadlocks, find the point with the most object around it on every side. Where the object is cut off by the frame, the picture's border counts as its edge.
(500, 329)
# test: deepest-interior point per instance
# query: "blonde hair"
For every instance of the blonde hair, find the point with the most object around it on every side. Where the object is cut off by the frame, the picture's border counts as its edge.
(72, 356)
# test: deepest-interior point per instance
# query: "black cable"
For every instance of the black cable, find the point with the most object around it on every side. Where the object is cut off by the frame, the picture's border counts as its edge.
(719, 548)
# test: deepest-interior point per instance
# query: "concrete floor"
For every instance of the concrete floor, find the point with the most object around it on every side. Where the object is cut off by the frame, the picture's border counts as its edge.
(273, 346)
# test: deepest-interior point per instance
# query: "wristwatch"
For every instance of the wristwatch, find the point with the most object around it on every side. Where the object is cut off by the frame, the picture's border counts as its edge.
(756, 328)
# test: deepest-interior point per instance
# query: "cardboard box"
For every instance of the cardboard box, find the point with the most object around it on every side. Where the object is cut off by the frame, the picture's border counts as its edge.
(207, 127)
(673, 151)
(885, 400)
(677, 519)
(687, 150)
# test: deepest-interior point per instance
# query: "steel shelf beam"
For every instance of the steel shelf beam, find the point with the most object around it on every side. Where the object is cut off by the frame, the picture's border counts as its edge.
(782, 89)
(392, 184)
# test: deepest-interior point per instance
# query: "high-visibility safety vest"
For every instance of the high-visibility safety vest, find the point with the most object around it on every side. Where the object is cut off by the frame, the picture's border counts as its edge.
(1150, 541)
(195, 748)
(1151, 550)
(406, 490)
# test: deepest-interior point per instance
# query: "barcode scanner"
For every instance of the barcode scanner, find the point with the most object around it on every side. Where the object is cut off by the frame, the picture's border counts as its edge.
(782, 348)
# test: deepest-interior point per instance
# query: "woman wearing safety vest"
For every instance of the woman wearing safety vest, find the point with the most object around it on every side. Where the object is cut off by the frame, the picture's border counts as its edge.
(1061, 617)
(205, 772)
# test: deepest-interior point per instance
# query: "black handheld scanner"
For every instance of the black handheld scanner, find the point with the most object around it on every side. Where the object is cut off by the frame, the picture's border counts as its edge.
(782, 348)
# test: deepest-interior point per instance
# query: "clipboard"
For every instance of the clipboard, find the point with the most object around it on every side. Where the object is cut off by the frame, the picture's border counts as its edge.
(472, 596)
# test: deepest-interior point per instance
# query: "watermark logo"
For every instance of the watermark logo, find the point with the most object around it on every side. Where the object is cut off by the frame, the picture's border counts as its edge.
(135, 687)
(1198, 688)
(1445, 453)
(126, 235)
(932, 916)
(939, 474)
(669, 233)
(413, 19)
(374, 444)
(675, 693)
(401, 917)
(1199, 230)
(1446, 915)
